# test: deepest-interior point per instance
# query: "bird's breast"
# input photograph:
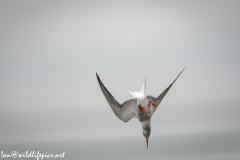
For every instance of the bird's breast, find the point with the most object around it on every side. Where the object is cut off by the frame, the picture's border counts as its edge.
(144, 110)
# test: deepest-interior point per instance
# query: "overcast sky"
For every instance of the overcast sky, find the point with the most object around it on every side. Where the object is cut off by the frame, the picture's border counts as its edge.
(50, 52)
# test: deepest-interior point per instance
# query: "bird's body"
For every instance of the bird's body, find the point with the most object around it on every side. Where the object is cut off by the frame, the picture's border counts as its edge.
(141, 107)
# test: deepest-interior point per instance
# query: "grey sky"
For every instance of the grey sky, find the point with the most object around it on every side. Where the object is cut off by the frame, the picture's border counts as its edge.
(51, 50)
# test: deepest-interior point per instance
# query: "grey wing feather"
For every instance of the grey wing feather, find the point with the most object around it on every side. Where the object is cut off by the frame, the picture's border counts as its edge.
(124, 111)
(128, 110)
(158, 100)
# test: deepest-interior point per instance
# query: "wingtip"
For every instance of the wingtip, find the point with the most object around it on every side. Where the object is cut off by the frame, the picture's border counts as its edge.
(178, 76)
(183, 69)
(98, 78)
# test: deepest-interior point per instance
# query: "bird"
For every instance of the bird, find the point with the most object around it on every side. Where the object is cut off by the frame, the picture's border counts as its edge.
(141, 106)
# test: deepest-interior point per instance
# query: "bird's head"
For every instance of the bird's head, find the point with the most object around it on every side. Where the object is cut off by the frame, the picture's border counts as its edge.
(147, 132)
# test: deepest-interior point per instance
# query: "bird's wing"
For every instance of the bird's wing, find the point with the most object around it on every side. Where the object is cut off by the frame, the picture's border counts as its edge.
(158, 100)
(124, 111)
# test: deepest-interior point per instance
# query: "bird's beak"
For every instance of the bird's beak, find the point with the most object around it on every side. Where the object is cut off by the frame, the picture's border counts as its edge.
(147, 142)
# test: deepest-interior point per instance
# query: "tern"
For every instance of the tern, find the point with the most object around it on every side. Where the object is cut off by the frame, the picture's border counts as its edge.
(141, 107)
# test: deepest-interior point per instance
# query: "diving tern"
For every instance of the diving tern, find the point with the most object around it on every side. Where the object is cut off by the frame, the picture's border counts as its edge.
(141, 106)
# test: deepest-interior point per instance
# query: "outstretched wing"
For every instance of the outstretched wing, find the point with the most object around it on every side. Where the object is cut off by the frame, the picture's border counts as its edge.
(158, 100)
(124, 111)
